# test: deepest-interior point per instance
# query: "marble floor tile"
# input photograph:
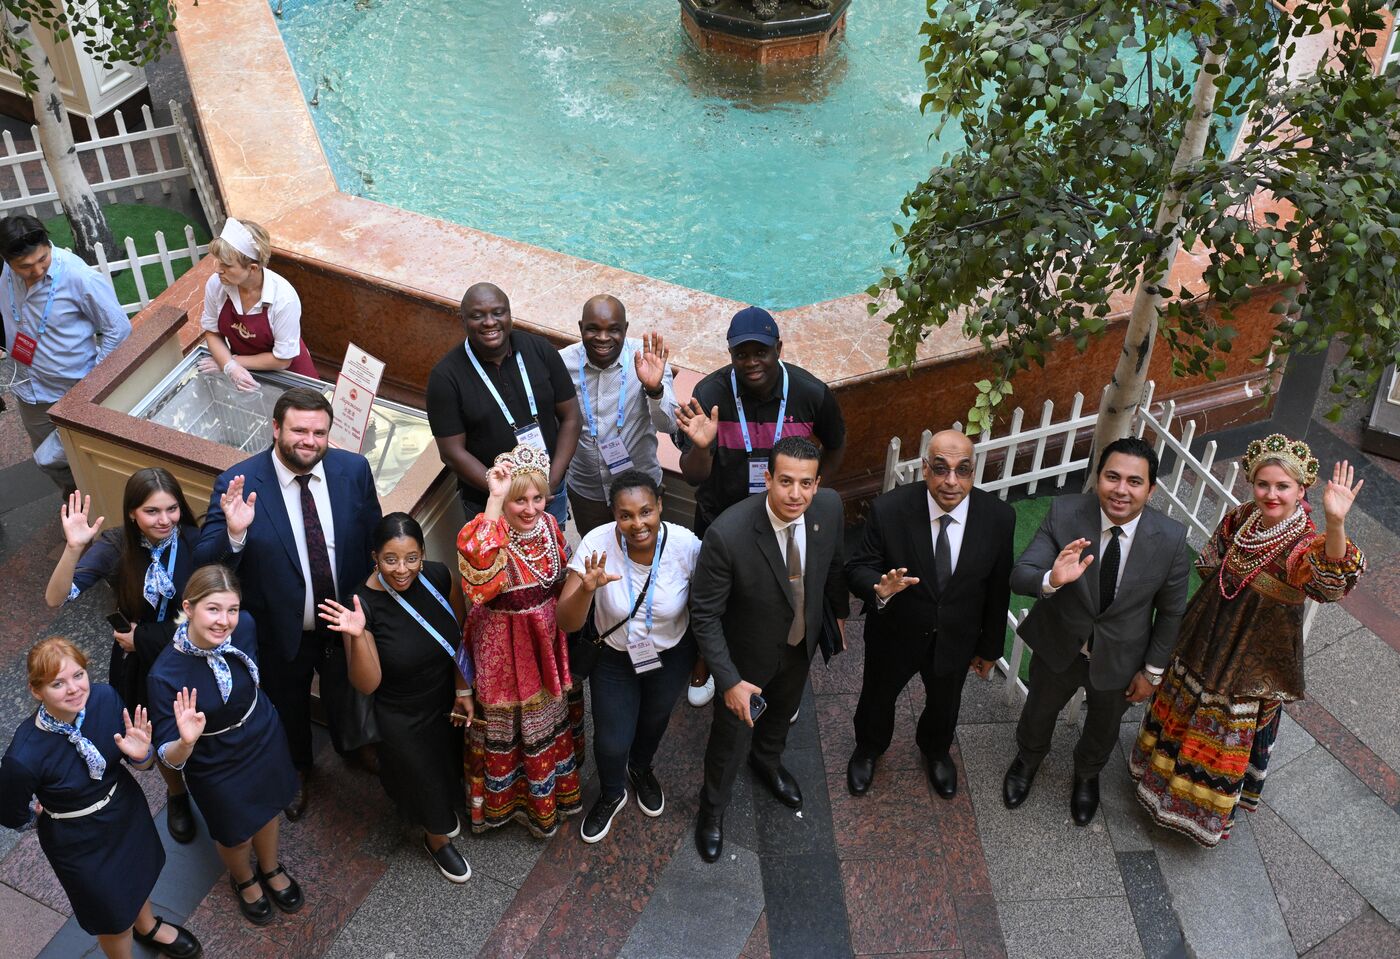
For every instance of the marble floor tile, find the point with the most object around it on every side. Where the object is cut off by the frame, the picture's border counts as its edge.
(26, 925)
(899, 905)
(1355, 680)
(1070, 929)
(1315, 900)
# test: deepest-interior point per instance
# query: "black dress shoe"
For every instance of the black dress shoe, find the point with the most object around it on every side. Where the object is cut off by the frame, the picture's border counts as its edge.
(184, 946)
(709, 834)
(366, 757)
(1016, 786)
(289, 899)
(297, 807)
(780, 783)
(259, 911)
(1084, 801)
(944, 776)
(179, 817)
(859, 772)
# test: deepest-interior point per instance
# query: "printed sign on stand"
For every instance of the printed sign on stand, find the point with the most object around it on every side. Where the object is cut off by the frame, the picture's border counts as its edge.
(355, 389)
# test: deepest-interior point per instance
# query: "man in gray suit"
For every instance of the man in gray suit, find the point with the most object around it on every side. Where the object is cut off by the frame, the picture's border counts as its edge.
(1111, 629)
(767, 567)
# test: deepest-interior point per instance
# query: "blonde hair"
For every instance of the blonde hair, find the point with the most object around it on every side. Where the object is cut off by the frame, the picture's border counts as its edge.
(523, 481)
(208, 580)
(1282, 462)
(47, 656)
(225, 253)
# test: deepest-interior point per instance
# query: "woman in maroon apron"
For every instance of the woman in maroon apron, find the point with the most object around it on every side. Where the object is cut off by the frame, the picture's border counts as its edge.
(252, 316)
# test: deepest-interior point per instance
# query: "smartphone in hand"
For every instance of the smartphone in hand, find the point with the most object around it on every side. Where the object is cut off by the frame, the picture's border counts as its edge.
(119, 622)
(757, 704)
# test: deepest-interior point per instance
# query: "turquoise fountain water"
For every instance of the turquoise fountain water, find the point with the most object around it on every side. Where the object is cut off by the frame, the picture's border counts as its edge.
(594, 128)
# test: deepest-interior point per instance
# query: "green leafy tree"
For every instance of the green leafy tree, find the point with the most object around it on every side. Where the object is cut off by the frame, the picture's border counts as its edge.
(111, 31)
(1098, 144)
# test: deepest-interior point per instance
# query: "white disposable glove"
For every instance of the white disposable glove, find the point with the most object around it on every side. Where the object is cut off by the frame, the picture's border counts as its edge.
(240, 377)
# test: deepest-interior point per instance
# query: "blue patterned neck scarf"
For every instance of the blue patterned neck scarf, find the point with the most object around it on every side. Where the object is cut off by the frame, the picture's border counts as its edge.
(97, 766)
(215, 658)
(159, 587)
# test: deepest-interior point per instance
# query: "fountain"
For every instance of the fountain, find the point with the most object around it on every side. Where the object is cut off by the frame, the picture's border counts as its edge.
(765, 31)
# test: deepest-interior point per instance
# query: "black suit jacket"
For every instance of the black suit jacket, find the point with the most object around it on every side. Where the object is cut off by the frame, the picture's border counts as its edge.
(969, 617)
(740, 604)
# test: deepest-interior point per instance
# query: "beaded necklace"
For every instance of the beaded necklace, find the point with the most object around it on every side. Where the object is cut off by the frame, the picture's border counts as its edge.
(535, 547)
(1253, 548)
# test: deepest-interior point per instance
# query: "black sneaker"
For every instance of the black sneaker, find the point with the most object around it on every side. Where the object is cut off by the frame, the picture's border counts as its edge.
(650, 799)
(599, 819)
(449, 862)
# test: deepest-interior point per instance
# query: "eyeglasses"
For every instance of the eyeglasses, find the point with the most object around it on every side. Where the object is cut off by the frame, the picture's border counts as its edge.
(941, 470)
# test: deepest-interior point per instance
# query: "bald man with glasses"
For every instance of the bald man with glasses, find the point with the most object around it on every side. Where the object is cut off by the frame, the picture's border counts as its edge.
(934, 571)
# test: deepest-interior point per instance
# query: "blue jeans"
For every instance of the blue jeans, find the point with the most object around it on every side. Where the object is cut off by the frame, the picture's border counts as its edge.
(631, 711)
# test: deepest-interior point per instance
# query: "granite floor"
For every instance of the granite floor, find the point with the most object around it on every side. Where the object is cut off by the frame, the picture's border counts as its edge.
(899, 872)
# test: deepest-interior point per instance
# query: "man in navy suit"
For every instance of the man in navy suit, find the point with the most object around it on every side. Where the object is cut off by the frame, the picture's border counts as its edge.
(295, 521)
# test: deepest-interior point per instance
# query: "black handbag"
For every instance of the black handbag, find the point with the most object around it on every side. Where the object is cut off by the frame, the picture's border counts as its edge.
(585, 645)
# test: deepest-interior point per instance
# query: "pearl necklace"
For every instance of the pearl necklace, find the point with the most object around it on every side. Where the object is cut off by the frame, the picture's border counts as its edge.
(1253, 547)
(549, 553)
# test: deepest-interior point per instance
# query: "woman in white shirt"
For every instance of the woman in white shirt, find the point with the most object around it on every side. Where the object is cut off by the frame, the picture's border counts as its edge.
(635, 572)
(252, 317)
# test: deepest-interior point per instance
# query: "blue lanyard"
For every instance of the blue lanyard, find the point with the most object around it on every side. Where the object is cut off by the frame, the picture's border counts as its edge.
(650, 596)
(408, 608)
(48, 304)
(170, 571)
(491, 387)
(744, 421)
(588, 404)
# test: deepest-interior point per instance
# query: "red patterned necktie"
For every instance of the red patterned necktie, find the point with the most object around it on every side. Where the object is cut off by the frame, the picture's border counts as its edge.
(319, 558)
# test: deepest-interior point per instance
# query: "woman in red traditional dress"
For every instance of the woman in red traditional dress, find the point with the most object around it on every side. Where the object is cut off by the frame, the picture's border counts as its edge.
(252, 317)
(524, 755)
(1203, 749)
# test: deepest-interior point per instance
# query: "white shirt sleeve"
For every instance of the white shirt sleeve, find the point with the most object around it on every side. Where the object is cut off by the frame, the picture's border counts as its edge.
(213, 303)
(284, 316)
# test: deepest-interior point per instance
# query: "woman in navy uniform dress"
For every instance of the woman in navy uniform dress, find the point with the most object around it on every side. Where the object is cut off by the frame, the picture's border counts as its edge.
(64, 766)
(212, 721)
(146, 562)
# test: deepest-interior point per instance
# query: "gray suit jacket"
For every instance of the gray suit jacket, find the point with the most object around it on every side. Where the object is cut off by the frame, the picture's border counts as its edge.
(740, 603)
(1142, 624)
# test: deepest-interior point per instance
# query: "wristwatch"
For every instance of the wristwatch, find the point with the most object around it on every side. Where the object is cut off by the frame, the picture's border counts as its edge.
(1154, 678)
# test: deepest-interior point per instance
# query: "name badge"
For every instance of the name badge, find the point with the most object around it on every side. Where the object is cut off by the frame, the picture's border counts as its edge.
(615, 456)
(24, 348)
(757, 467)
(643, 654)
(531, 435)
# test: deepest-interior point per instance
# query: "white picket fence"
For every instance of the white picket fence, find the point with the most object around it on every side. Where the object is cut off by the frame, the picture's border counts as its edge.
(164, 256)
(1190, 492)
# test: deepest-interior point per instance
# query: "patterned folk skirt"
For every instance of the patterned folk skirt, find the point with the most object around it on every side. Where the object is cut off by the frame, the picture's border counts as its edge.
(1200, 755)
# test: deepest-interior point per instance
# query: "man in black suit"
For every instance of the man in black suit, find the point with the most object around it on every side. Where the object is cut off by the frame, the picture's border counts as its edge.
(1109, 630)
(934, 570)
(767, 567)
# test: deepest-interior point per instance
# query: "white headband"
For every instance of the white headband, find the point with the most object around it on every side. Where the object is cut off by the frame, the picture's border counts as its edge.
(236, 235)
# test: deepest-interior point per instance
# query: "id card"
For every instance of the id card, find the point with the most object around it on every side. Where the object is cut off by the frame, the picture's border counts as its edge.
(24, 348)
(615, 456)
(757, 467)
(531, 436)
(642, 652)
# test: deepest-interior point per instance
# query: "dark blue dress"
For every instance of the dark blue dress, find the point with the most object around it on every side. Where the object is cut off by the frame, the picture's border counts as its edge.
(107, 861)
(241, 778)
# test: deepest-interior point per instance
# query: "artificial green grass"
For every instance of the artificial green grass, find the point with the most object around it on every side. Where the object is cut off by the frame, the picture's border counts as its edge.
(1030, 513)
(140, 222)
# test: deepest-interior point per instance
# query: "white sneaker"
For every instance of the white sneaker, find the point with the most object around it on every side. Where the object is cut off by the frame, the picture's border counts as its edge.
(701, 695)
(795, 715)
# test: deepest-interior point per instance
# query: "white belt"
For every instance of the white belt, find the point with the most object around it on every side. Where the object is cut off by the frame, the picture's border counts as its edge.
(229, 729)
(88, 810)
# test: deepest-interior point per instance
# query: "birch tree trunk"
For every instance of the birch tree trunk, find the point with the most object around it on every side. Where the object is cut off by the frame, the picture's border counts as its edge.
(1125, 390)
(75, 195)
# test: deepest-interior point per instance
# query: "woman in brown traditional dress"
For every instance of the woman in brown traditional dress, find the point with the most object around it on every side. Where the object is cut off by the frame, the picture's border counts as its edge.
(1203, 749)
(523, 760)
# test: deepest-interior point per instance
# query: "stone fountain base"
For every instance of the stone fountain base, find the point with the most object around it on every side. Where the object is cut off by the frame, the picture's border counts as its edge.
(796, 32)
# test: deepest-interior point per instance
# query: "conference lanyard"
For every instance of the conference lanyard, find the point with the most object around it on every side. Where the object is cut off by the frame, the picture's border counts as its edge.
(408, 608)
(744, 421)
(491, 387)
(48, 304)
(588, 404)
(650, 596)
(170, 571)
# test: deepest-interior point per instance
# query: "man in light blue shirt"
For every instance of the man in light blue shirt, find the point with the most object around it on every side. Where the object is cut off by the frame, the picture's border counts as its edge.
(54, 307)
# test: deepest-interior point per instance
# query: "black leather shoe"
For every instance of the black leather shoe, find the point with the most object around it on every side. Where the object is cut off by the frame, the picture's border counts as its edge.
(1016, 786)
(297, 807)
(179, 818)
(259, 911)
(709, 834)
(859, 772)
(944, 776)
(1084, 800)
(289, 899)
(185, 945)
(780, 783)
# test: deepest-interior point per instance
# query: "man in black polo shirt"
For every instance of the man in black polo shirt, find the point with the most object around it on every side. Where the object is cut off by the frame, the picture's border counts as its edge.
(725, 451)
(501, 388)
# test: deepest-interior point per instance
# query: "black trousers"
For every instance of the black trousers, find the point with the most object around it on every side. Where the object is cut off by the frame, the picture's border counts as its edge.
(886, 674)
(731, 738)
(1047, 693)
(287, 683)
